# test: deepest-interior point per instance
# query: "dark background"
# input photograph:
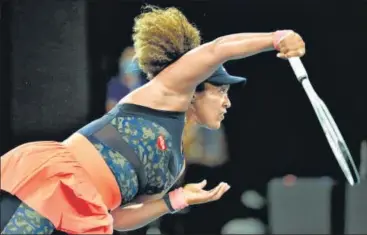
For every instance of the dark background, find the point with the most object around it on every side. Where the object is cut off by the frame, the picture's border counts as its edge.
(57, 56)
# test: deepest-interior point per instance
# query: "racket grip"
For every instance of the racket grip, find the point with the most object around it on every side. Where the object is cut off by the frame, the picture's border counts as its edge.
(298, 68)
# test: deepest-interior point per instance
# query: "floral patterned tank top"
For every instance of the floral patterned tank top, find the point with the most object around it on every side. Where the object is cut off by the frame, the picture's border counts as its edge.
(141, 146)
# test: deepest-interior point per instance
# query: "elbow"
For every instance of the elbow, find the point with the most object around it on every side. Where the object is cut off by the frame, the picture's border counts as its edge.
(121, 222)
(124, 221)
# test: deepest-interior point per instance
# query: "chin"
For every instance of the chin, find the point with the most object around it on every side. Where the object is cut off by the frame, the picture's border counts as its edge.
(213, 126)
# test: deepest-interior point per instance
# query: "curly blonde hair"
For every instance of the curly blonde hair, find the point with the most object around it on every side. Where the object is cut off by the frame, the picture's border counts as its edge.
(161, 36)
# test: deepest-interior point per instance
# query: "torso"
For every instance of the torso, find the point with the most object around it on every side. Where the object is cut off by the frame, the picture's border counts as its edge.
(154, 136)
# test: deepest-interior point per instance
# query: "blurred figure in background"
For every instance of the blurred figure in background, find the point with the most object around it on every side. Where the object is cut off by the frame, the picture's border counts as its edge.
(128, 78)
(204, 146)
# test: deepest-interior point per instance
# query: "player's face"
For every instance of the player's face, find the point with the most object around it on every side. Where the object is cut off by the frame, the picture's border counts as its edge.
(210, 105)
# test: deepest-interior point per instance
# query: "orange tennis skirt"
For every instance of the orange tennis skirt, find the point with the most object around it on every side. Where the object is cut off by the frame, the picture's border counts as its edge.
(68, 183)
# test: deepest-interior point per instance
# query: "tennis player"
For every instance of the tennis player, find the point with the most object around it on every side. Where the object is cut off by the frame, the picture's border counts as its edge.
(117, 172)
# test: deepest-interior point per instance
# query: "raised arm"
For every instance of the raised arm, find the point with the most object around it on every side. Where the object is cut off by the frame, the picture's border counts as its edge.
(198, 64)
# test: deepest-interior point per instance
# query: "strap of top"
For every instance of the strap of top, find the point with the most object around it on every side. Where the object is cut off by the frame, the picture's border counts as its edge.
(112, 138)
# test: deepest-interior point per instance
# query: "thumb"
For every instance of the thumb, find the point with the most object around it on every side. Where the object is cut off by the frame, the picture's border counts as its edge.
(202, 184)
(281, 55)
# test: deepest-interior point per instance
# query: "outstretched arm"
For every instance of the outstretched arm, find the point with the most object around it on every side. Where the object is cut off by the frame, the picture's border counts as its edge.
(137, 215)
(198, 64)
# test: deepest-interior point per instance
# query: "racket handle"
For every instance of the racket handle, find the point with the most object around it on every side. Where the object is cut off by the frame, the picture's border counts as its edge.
(302, 76)
(298, 68)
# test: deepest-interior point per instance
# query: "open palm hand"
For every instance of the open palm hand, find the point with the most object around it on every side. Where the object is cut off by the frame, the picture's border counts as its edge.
(196, 194)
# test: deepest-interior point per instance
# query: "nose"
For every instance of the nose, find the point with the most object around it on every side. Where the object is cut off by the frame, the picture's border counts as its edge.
(227, 102)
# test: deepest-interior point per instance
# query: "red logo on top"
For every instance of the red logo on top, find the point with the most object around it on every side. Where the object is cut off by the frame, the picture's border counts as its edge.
(161, 143)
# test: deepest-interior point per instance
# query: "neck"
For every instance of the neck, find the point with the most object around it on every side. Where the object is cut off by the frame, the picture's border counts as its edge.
(190, 117)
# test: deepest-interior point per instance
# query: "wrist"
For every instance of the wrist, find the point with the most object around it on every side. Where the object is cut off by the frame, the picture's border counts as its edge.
(278, 36)
(268, 38)
(175, 200)
(168, 203)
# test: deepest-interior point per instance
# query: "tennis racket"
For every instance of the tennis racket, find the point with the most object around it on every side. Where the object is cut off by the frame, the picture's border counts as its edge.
(331, 130)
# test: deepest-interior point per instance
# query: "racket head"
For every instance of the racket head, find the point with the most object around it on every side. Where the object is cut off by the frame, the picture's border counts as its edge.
(337, 142)
(331, 130)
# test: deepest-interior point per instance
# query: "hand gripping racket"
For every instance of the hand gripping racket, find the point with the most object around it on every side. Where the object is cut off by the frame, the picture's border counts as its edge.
(331, 130)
